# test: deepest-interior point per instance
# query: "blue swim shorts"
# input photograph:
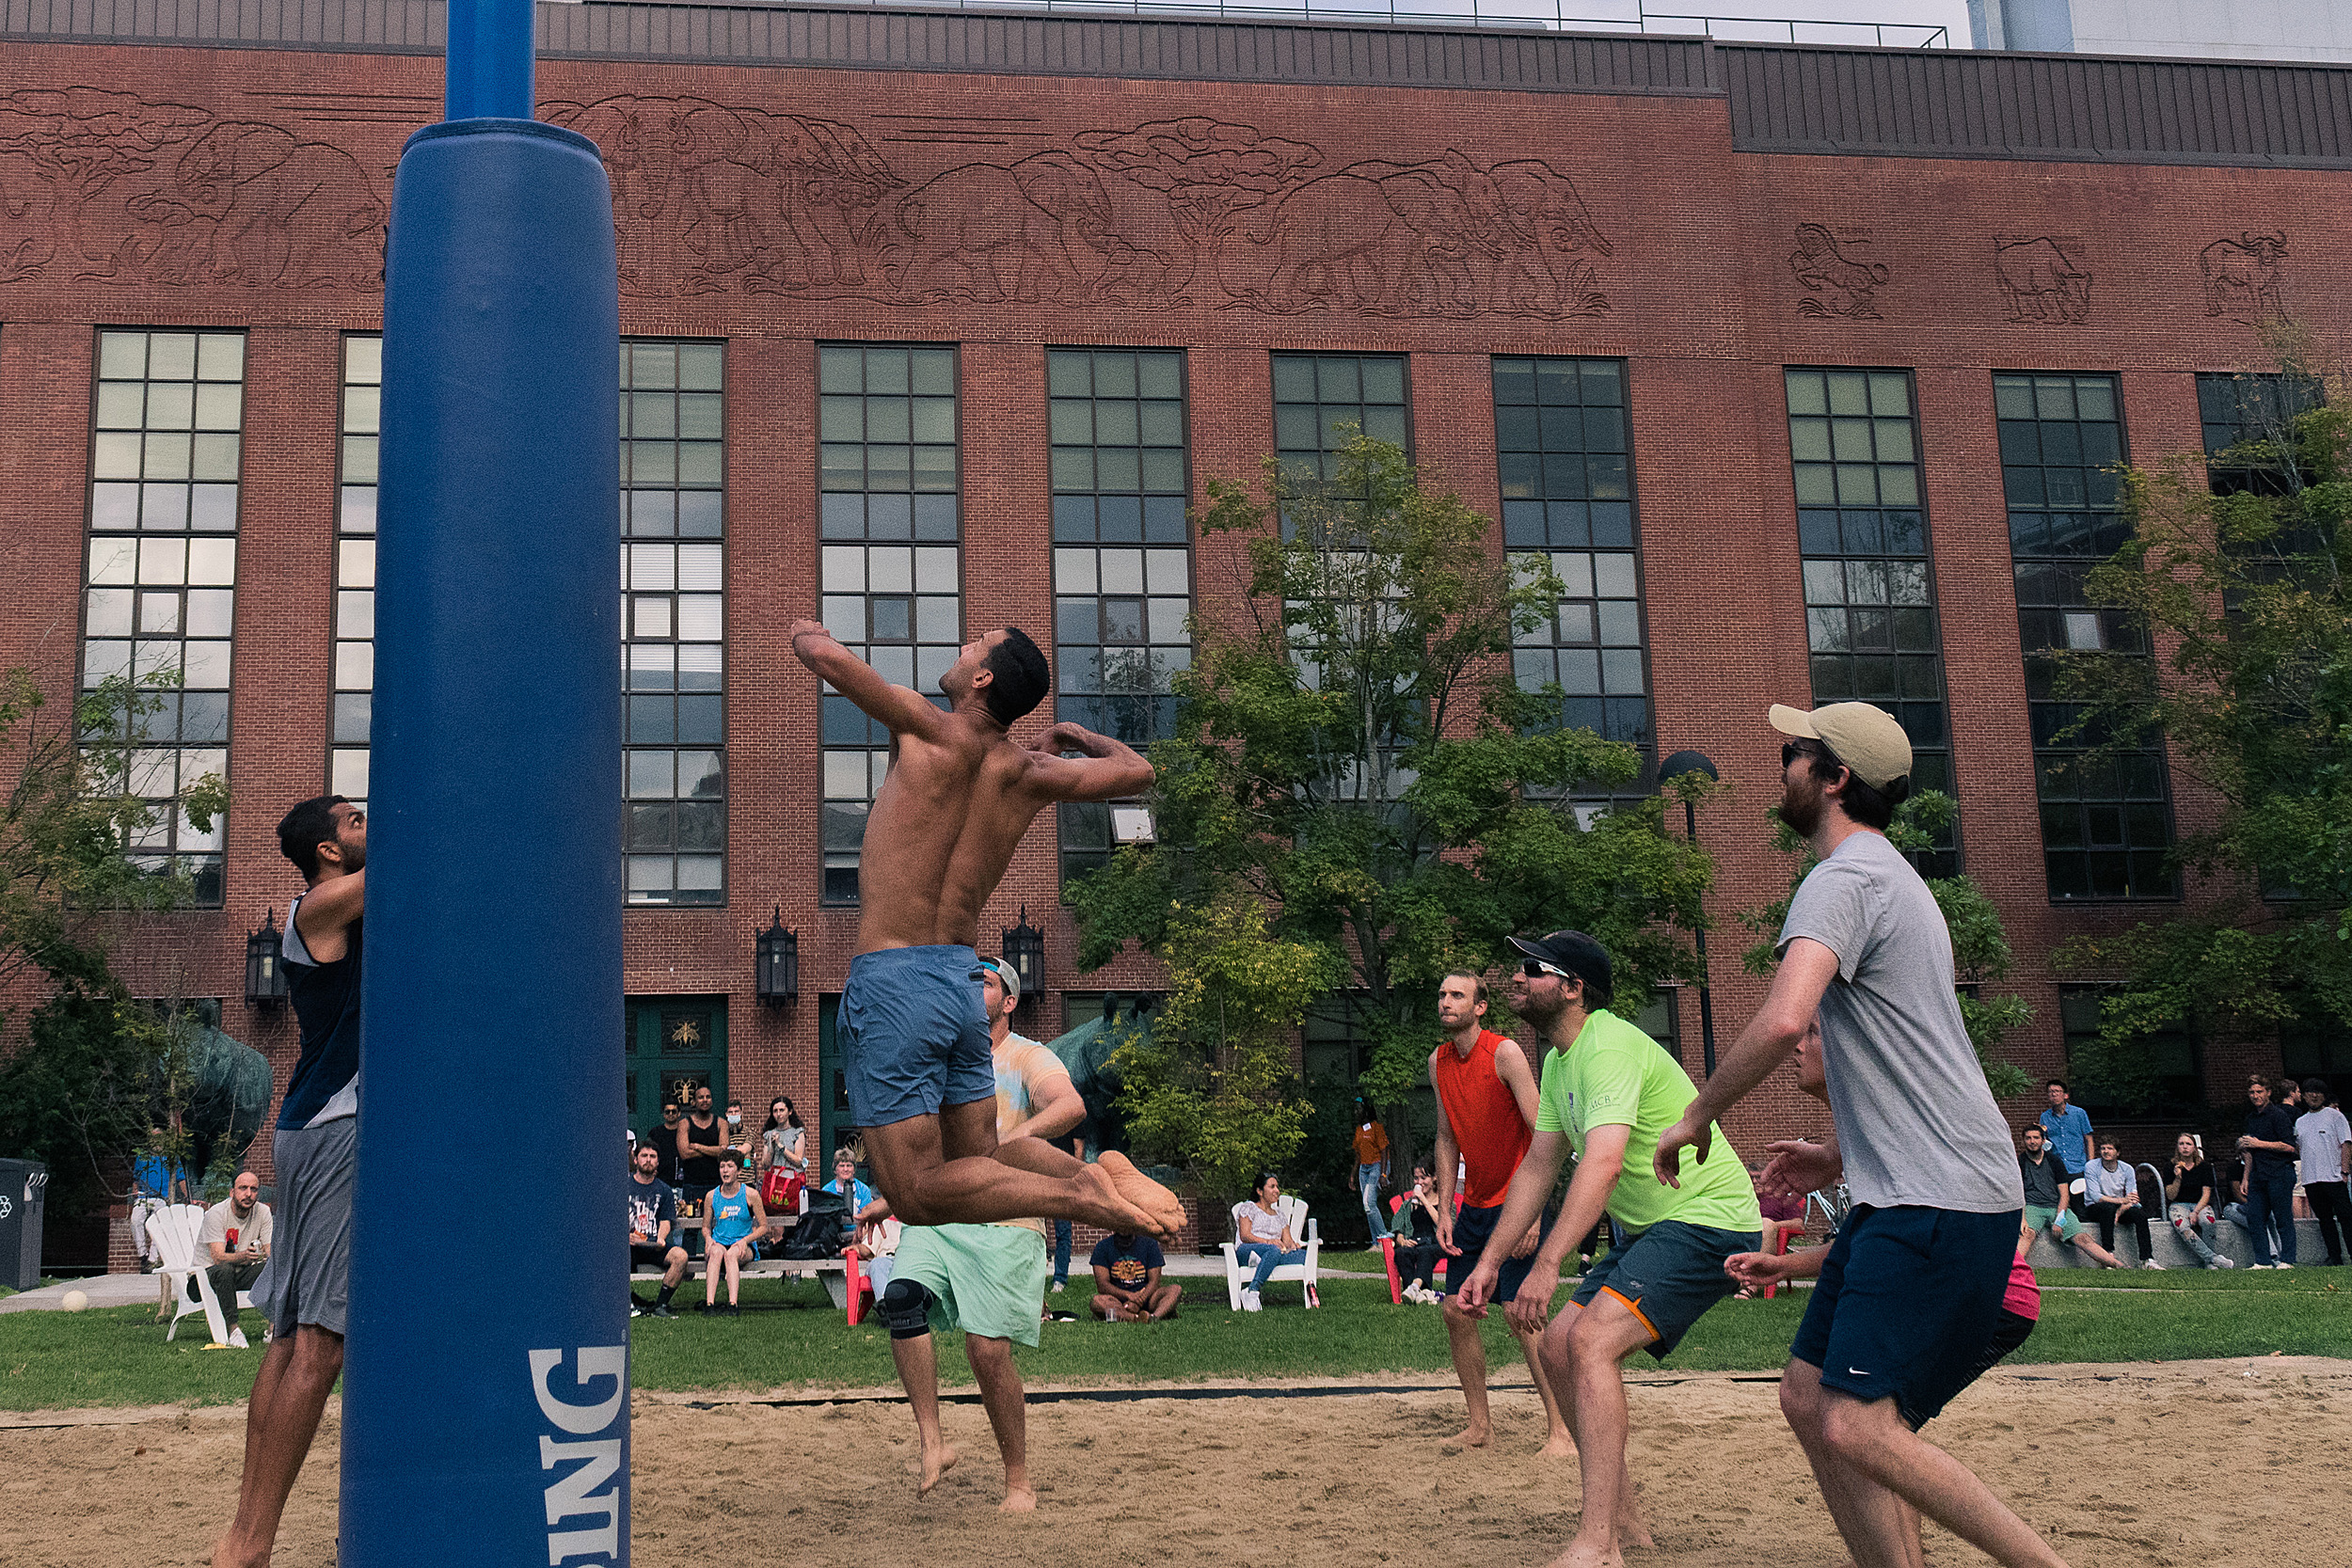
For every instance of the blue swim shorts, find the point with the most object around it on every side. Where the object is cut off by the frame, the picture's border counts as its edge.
(914, 1034)
(1907, 1301)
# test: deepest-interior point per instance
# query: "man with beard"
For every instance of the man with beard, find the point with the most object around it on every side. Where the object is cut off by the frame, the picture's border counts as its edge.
(1486, 1117)
(1911, 1291)
(1608, 1091)
(305, 1289)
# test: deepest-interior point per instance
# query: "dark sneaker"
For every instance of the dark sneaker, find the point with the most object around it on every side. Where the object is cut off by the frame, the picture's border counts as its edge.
(659, 1311)
(732, 1311)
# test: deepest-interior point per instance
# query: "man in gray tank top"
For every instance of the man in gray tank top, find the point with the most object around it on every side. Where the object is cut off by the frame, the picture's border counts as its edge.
(1912, 1288)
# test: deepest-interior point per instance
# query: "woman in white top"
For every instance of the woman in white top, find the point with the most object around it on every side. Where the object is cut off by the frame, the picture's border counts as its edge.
(1265, 1237)
(781, 1139)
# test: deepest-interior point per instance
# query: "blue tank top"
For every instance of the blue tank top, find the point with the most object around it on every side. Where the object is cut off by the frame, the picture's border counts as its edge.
(326, 1002)
(730, 1218)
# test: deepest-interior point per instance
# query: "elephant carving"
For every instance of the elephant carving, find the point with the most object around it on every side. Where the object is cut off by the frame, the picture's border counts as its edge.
(253, 205)
(1039, 229)
(2040, 282)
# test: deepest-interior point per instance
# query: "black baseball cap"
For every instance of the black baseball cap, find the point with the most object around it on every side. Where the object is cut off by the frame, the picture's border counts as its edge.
(1576, 954)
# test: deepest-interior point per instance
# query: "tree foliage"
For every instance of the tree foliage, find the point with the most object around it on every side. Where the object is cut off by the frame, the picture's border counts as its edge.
(91, 1069)
(2236, 569)
(1982, 956)
(1352, 759)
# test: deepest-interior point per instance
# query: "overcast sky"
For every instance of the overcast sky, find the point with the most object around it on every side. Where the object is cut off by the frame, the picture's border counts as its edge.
(1952, 15)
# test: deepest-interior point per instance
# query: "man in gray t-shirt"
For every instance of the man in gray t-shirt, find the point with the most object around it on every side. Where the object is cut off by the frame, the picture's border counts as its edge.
(1911, 1291)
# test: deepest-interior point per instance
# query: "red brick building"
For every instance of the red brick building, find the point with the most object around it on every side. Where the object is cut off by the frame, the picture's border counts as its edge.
(1802, 362)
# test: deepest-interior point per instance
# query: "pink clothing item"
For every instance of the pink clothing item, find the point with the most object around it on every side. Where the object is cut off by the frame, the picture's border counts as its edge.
(2023, 1295)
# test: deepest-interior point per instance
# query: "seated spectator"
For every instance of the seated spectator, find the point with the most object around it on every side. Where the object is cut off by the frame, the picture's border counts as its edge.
(1127, 1283)
(733, 1224)
(2111, 1192)
(877, 1247)
(236, 1242)
(2049, 1195)
(846, 1183)
(2188, 1194)
(1415, 1232)
(652, 1231)
(664, 1141)
(1265, 1237)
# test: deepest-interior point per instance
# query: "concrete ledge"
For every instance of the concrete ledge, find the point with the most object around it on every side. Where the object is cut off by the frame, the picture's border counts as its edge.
(2229, 1241)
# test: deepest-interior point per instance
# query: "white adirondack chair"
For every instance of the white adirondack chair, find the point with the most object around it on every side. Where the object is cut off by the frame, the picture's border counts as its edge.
(175, 1229)
(1302, 1229)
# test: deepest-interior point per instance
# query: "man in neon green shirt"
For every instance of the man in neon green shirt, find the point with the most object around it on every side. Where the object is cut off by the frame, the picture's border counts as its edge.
(1608, 1091)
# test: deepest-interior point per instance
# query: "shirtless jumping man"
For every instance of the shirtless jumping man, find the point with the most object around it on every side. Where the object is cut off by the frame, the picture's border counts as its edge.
(959, 796)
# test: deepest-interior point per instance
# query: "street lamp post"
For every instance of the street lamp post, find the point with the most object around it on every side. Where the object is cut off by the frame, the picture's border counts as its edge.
(1672, 768)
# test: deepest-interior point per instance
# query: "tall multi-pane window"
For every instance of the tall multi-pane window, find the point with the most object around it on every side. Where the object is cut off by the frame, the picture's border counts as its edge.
(1122, 565)
(674, 622)
(1870, 622)
(1562, 453)
(2106, 822)
(1318, 396)
(354, 567)
(890, 526)
(2235, 409)
(161, 598)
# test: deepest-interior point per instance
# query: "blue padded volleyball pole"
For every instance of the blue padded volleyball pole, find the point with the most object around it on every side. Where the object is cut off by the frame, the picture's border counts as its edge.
(485, 1391)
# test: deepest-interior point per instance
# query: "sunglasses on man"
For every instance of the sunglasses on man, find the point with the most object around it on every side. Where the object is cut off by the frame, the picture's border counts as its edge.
(1535, 969)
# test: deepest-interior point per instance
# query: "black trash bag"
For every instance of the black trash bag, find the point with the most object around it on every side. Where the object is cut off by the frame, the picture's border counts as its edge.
(820, 1231)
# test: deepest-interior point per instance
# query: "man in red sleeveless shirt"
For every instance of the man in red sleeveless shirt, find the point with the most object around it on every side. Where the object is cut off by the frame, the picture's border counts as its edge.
(1485, 1120)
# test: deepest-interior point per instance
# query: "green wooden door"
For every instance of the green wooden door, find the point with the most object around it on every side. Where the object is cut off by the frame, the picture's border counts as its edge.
(674, 1043)
(834, 1125)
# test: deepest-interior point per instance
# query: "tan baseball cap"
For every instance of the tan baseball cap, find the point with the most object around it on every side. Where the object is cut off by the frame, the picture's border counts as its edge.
(1867, 739)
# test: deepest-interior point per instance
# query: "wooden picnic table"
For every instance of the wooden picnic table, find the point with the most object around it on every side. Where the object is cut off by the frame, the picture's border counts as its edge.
(845, 1276)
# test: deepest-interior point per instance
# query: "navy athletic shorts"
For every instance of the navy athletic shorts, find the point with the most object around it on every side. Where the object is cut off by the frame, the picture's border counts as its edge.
(1907, 1301)
(1472, 1229)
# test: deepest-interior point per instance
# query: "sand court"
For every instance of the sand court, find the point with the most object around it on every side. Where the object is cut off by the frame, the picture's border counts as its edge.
(2217, 1449)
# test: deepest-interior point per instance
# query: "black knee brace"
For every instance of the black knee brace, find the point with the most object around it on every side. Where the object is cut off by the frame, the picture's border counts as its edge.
(905, 1309)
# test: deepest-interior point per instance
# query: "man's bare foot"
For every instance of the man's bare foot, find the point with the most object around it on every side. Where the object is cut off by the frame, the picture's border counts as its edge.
(1633, 1528)
(1164, 1207)
(226, 1555)
(1473, 1436)
(1018, 1499)
(936, 1464)
(1558, 1445)
(1585, 1554)
(1106, 1206)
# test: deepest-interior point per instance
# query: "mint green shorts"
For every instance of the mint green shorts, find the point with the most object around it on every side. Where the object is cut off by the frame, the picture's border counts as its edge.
(985, 1279)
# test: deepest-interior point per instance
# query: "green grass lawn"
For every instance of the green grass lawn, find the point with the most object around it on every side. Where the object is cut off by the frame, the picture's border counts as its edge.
(790, 1337)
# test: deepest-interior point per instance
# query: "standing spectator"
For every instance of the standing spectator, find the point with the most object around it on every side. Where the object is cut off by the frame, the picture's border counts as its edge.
(652, 1231)
(1486, 1109)
(2066, 1128)
(781, 1139)
(1265, 1237)
(737, 1139)
(1077, 1146)
(155, 1183)
(2188, 1194)
(1415, 1230)
(2324, 1141)
(236, 1240)
(733, 1223)
(2048, 1198)
(664, 1141)
(700, 1137)
(1372, 1165)
(305, 1289)
(1127, 1283)
(2266, 1188)
(2111, 1192)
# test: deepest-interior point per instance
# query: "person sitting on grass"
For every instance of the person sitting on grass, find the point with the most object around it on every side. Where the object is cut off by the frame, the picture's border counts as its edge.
(1265, 1237)
(1415, 1232)
(735, 1221)
(1127, 1285)
(652, 1223)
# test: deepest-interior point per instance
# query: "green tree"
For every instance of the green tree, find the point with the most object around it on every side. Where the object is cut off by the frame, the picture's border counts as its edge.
(2236, 570)
(1982, 956)
(1353, 757)
(91, 1069)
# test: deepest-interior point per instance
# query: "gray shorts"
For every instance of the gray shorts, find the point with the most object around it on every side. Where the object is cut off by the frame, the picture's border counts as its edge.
(308, 1278)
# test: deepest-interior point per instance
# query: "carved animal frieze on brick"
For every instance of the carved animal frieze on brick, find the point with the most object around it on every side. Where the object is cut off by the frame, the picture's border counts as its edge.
(2245, 278)
(709, 198)
(2042, 278)
(1839, 283)
(99, 186)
